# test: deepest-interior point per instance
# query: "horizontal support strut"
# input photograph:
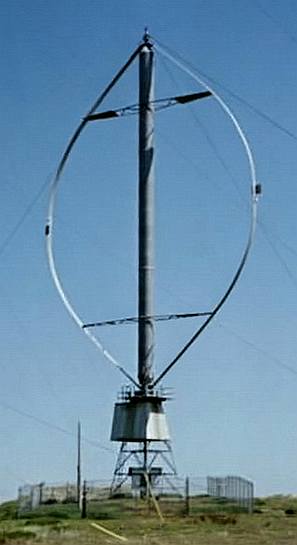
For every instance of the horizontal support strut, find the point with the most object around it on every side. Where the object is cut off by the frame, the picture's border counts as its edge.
(156, 318)
(159, 104)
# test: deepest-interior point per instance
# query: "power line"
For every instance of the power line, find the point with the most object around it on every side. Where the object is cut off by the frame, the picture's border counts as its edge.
(206, 134)
(287, 246)
(253, 108)
(7, 240)
(223, 163)
(264, 230)
(278, 255)
(262, 351)
(255, 191)
(275, 21)
(49, 425)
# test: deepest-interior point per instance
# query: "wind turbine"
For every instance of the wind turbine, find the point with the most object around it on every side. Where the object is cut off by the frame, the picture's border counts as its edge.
(139, 420)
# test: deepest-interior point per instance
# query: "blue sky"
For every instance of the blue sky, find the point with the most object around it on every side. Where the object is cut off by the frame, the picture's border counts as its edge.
(235, 389)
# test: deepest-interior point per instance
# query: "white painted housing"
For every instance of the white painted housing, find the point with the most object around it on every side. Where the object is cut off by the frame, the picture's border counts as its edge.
(139, 421)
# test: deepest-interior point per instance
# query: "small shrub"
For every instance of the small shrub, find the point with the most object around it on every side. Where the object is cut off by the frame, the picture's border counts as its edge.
(43, 521)
(259, 501)
(118, 496)
(58, 514)
(69, 500)
(50, 501)
(8, 510)
(290, 511)
(104, 515)
(17, 535)
(218, 518)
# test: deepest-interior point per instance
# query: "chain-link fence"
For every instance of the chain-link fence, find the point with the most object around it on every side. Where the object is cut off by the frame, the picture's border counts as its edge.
(31, 497)
(174, 494)
(234, 488)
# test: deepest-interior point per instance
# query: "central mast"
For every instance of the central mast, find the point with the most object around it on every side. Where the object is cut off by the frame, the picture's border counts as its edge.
(146, 218)
(139, 415)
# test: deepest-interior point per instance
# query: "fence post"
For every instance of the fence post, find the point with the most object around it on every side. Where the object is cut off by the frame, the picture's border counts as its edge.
(84, 501)
(251, 498)
(187, 496)
(41, 485)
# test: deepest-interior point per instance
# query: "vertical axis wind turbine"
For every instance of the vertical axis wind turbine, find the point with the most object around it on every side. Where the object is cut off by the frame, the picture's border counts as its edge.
(139, 421)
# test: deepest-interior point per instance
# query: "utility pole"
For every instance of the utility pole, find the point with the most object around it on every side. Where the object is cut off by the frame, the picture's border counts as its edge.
(187, 496)
(78, 481)
(84, 501)
(146, 217)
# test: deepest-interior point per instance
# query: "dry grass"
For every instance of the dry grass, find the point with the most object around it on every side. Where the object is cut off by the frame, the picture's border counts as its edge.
(205, 526)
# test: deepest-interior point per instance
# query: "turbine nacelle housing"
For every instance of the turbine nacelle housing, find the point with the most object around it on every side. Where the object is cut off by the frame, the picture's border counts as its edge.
(139, 419)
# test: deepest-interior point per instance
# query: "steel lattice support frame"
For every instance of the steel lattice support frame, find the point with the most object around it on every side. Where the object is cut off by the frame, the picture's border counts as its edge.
(145, 456)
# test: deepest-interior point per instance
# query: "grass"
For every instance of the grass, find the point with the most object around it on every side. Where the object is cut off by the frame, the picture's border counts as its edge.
(210, 523)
